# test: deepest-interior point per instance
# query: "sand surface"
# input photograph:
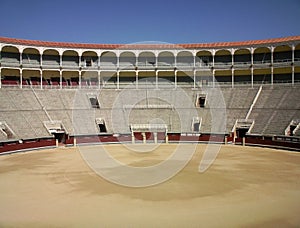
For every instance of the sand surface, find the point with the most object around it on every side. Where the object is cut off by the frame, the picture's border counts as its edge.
(245, 187)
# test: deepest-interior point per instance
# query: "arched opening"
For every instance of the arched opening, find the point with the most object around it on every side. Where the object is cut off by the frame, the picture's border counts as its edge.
(52, 77)
(242, 76)
(262, 76)
(126, 78)
(10, 56)
(166, 59)
(242, 58)
(282, 75)
(223, 59)
(70, 59)
(127, 60)
(223, 76)
(10, 77)
(31, 57)
(108, 60)
(31, 78)
(70, 78)
(146, 60)
(89, 79)
(109, 79)
(262, 55)
(89, 59)
(185, 78)
(204, 59)
(282, 54)
(185, 59)
(51, 59)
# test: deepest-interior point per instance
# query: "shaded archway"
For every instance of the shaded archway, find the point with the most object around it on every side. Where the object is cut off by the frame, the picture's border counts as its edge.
(31, 57)
(89, 59)
(70, 59)
(204, 59)
(50, 59)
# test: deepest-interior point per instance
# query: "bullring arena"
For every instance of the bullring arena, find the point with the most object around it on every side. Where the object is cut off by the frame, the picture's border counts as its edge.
(151, 135)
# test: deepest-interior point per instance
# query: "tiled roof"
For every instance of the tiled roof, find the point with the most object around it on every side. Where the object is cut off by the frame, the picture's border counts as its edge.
(148, 46)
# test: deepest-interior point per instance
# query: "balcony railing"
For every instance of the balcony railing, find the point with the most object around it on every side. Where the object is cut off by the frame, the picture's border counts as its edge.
(47, 64)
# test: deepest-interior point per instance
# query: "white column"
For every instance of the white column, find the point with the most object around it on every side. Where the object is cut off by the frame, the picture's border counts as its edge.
(232, 57)
(0, 78)
(136, 79)
(156, 79)
(144, 137)
(232, 68)
(252, 61)
(99, 61)
(293, 64)
(272, 64)
(118, 79)
(118, 61)
(194, 79)
(214, 75)
(232, 78)
(155, 137)
(60, 60)
(41, 79)
(99, 79)
(21, 78)
(21, 59)
(60, 79)
(175, 60)
(213, 65)
(167, 137)
(79, 79)
(252, 76)
(132, 138)
(175, 79)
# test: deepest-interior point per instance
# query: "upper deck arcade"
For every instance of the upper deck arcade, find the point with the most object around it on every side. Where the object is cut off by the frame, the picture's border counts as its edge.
(73, 65)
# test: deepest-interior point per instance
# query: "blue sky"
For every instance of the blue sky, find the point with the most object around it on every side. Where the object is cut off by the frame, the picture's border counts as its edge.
(130, 21)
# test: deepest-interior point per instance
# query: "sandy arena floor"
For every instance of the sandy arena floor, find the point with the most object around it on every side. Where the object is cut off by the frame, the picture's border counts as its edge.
(245, 186)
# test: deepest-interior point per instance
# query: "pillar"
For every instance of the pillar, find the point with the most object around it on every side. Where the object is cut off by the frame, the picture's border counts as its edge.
(60, 79)
(232, 78)
(60, 60)
(99, 79)
(293, 65)
(155, 137)
(214, 79)
(175, 79)
(41, 79)
(132, 138)
(252, 77)
(118, 80)
(21, 59)
(244, 141)
(251, 68)
(21, 78)
(194, 79)
(167, 137)
(0, 79)
(144, 137)
(79, 80)
(272, 64)
(136, 79)
(156, 79)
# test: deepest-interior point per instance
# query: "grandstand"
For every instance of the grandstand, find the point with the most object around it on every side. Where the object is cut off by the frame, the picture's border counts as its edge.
(105, 92)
